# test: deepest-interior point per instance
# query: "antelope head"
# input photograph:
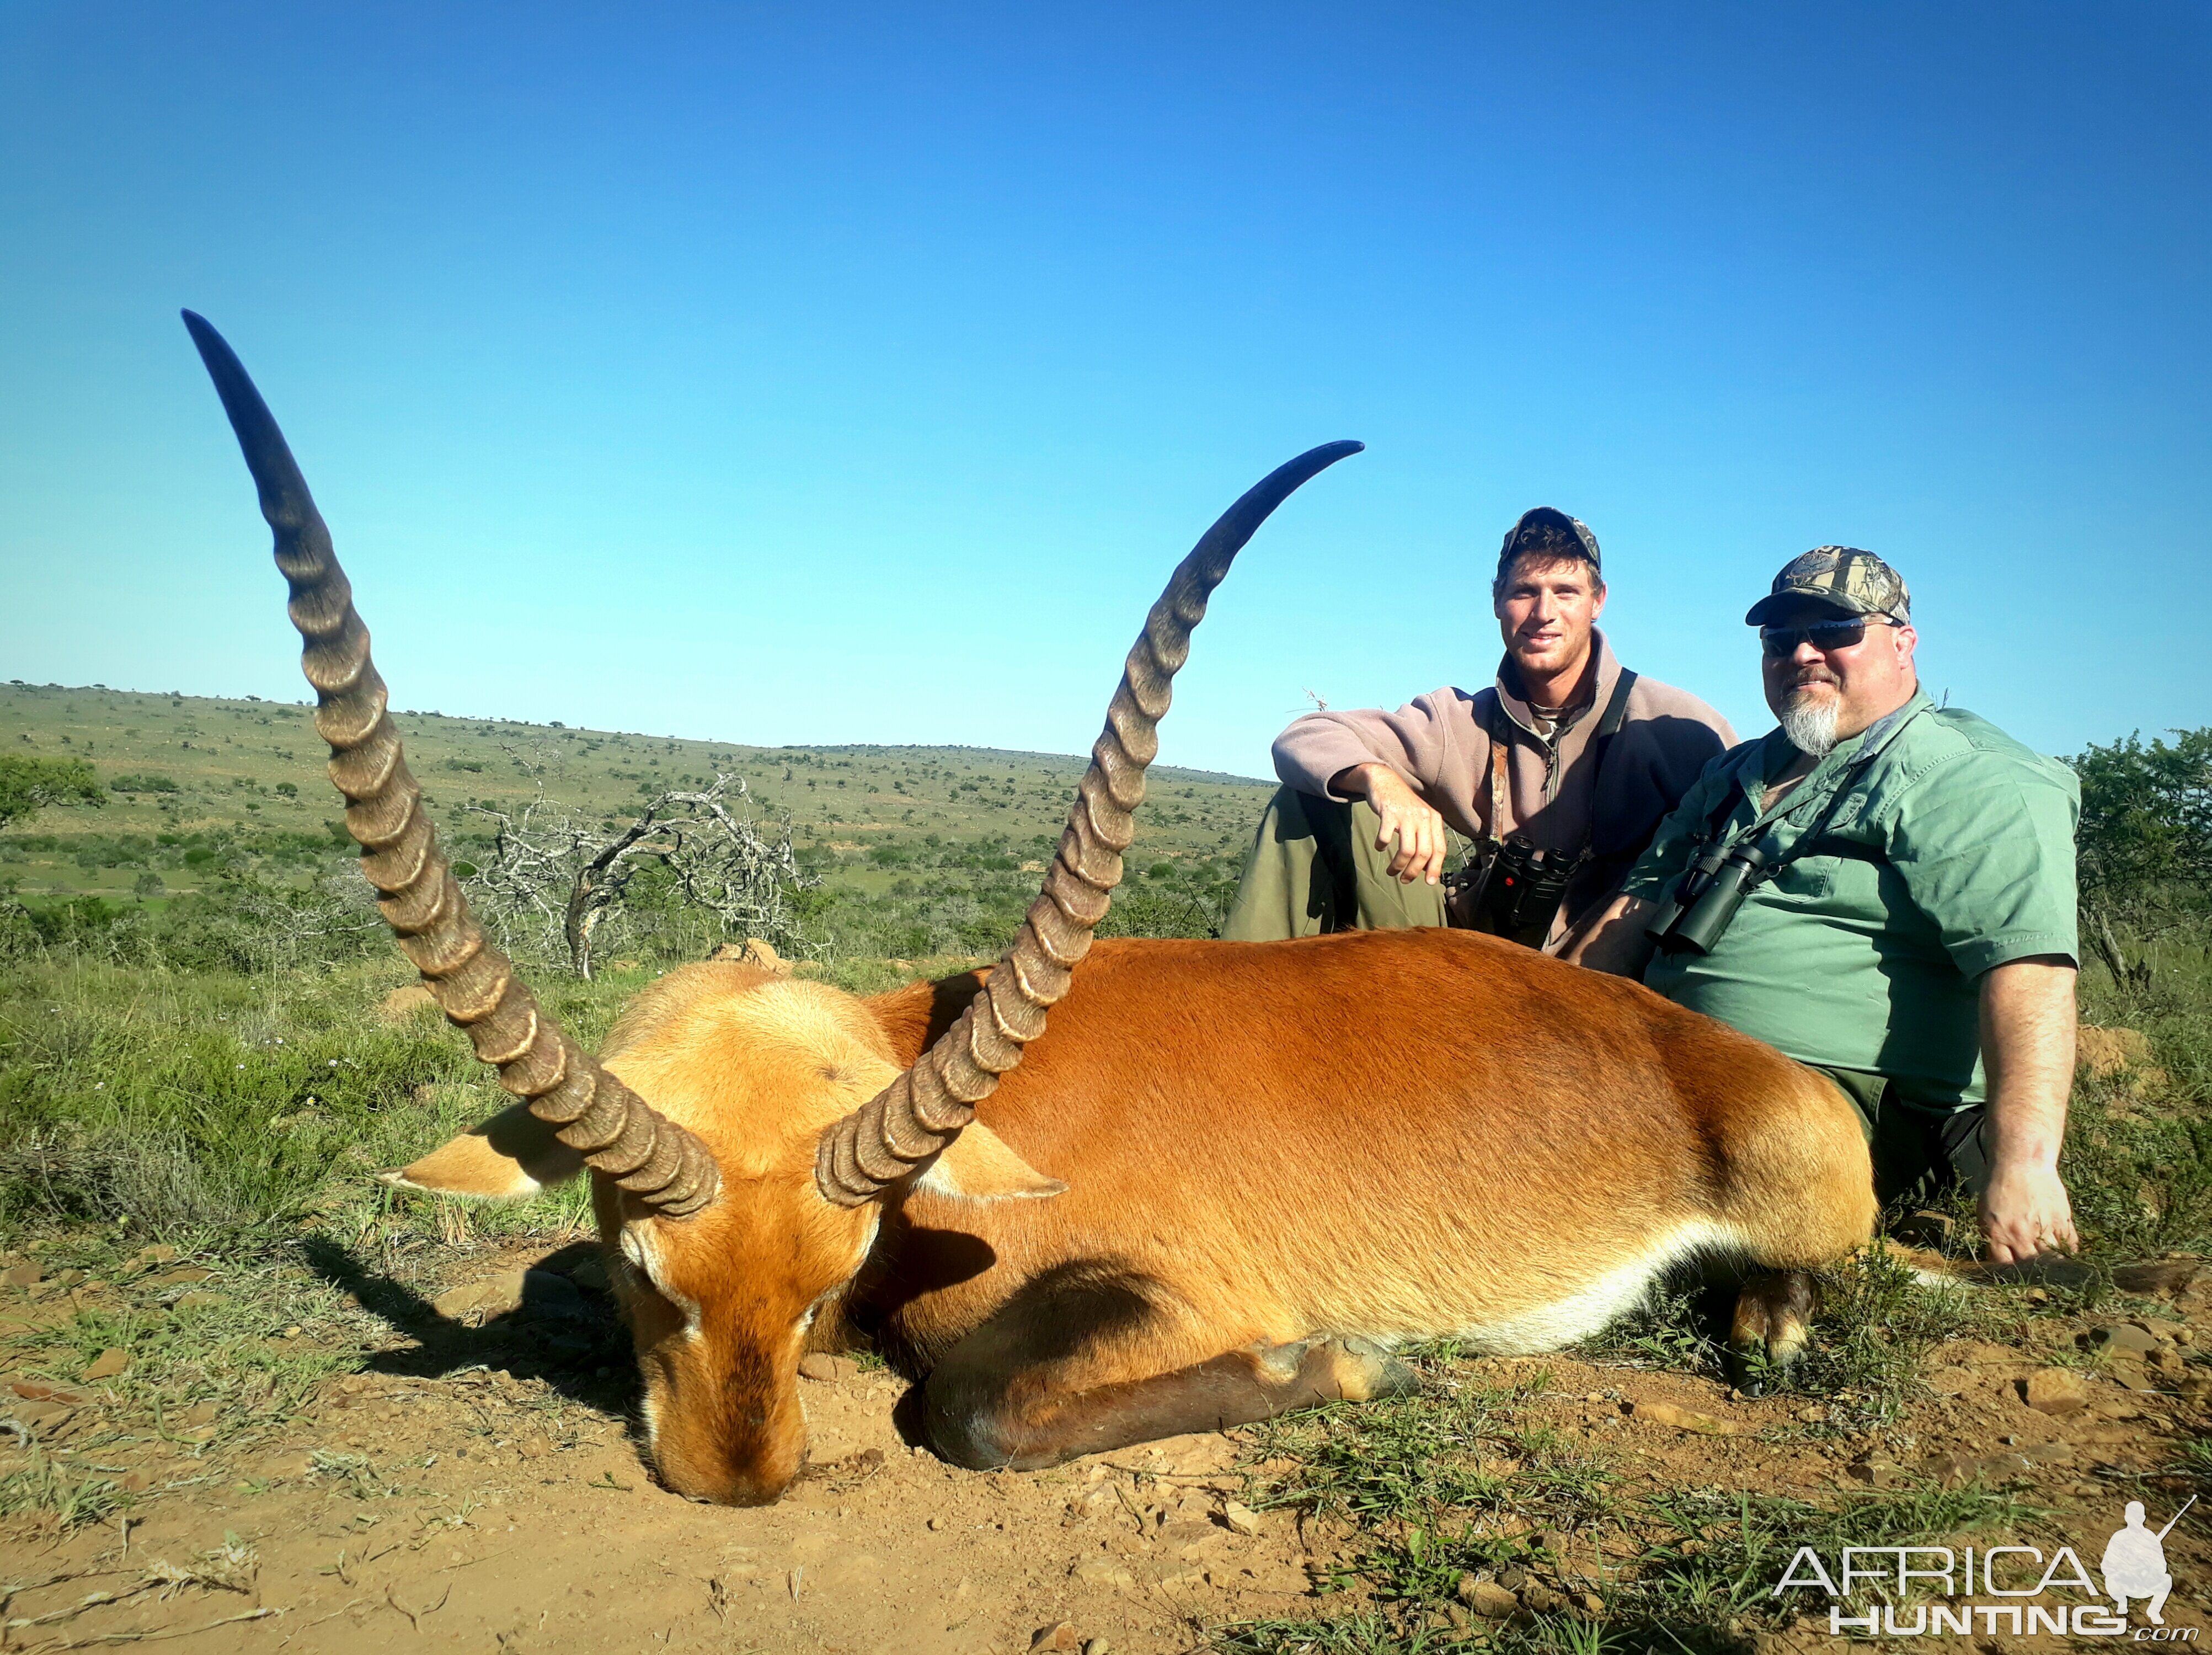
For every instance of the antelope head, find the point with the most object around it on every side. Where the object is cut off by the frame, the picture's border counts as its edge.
(739, 1202)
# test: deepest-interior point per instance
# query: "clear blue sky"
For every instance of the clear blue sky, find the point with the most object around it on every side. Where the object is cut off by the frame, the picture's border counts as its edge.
(820, 374)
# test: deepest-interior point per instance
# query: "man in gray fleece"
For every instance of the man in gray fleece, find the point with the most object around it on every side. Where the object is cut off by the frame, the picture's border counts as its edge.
(1568, 748)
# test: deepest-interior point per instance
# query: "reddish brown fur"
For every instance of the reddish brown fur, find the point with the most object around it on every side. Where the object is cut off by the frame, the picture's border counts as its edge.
(1354, 1139)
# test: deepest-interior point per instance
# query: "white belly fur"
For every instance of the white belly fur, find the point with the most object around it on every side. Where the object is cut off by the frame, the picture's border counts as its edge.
(1590, 1308)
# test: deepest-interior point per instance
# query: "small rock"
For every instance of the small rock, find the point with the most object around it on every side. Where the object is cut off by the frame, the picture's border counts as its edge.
(1590, 1603)
(1241, 1517)
(818, 1364)
(2056, 1390)
(2113, 1409)
(1103, 1572)
(198, 1301)
(1096, 1646)
(1060, 1635)
(108, 1364)
(31, 1391)
(935, 1523)
(1541, 1599)
(1185, 1538)
(160, 1253)
(21, 1275)
(1684, 1419)
(484, 1300)
(2117, 1336)
(1815, 1414)
(1487, 1598)
(403, 1003)
(1875, 1473)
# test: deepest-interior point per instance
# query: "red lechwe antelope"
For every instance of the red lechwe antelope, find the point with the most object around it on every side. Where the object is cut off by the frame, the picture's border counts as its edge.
(1232, 1179)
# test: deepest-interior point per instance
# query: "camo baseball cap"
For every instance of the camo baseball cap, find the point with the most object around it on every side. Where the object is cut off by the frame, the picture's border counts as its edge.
(1548, 528)
(1843, 577)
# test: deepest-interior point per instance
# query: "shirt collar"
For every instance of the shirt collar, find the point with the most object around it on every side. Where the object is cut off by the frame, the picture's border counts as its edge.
(1513, 696)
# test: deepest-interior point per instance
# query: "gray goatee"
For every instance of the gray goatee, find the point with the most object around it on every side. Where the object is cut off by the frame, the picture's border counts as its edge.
(1810, 721)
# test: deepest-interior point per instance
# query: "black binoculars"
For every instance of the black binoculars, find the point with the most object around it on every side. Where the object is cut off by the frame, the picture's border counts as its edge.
(1705, 902)
(1516, 893)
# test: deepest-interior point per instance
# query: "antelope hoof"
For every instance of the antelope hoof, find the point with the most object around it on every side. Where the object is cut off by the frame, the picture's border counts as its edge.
(1770, 1331)
(1357, 1370)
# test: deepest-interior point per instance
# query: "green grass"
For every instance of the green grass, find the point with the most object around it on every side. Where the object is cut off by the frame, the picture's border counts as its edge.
(250, 773)
(1455, 1482)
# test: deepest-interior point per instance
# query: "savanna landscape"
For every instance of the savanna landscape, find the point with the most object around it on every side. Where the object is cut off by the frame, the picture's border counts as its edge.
(253, 1398)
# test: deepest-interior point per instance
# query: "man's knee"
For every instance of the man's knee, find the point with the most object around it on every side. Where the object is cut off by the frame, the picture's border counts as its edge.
(1289, 885)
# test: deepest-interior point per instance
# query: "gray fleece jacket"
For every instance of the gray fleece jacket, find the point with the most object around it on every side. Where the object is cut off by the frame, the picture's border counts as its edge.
(1440, 742)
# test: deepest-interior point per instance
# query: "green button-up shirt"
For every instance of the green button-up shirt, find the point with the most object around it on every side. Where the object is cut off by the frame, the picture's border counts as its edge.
(1962, 859)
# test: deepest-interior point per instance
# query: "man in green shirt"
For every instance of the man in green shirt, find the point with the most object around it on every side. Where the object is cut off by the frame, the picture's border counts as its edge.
(1906, 923)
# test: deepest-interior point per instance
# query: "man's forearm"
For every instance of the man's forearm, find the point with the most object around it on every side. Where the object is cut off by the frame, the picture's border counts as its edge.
(2028, 1033)
(1613, 941)
(2027, 1028)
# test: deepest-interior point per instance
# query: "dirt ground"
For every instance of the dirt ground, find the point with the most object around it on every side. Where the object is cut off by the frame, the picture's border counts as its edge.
(473, 1482)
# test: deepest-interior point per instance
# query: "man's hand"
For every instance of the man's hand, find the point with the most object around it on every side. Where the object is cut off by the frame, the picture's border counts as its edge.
(2024, 1211)
(1407, 817)
(2027, 1026)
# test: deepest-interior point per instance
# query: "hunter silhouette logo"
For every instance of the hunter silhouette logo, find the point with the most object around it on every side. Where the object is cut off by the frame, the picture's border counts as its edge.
(2135, 1563)
(2023, 1591)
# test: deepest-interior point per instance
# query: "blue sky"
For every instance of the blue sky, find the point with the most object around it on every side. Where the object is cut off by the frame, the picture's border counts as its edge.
(824, 374)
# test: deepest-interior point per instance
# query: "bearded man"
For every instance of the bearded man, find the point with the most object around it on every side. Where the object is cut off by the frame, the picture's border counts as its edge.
(1884, 890)
(1568, 753)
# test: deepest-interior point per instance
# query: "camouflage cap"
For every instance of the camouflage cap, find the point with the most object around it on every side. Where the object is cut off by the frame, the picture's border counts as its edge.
(1843, 577)
(1549, 530)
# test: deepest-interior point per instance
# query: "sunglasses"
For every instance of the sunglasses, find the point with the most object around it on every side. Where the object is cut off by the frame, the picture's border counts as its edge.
(1781, 642)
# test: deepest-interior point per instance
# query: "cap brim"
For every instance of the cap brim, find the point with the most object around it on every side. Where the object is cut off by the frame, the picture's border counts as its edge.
(1765, 610)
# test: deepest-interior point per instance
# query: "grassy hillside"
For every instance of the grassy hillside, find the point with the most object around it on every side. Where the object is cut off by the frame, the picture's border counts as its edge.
(186, 772)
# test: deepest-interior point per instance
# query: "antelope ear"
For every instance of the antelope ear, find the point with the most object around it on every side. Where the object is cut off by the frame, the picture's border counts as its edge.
(977, 1165)
(512, 1155)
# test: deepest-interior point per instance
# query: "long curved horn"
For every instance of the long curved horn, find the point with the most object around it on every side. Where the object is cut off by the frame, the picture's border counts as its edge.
(618, 1133)
(925, 1107)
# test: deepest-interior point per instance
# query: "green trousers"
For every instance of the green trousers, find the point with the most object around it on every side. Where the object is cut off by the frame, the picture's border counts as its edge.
(1918, 1154)
(1314, 867)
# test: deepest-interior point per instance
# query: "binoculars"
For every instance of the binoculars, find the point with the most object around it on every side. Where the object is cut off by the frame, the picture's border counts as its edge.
(1705, 902)
(1516, 893)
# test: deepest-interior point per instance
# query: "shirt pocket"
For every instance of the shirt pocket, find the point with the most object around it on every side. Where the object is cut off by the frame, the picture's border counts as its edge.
(1807, 880)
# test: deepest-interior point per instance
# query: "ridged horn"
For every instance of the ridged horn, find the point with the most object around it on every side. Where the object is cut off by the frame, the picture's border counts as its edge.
(619, 1134)
(924, 1108)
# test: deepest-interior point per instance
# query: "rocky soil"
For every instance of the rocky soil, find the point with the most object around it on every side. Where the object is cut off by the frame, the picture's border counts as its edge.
(446, 1455)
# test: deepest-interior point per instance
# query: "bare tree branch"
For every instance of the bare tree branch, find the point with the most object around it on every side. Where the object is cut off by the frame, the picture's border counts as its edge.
(555, 876)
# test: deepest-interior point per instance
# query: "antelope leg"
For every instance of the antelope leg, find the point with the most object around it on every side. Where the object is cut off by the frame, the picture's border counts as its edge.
(1009, 1397)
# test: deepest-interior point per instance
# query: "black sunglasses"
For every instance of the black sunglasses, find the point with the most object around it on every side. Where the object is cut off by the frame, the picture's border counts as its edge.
(1781, 642)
